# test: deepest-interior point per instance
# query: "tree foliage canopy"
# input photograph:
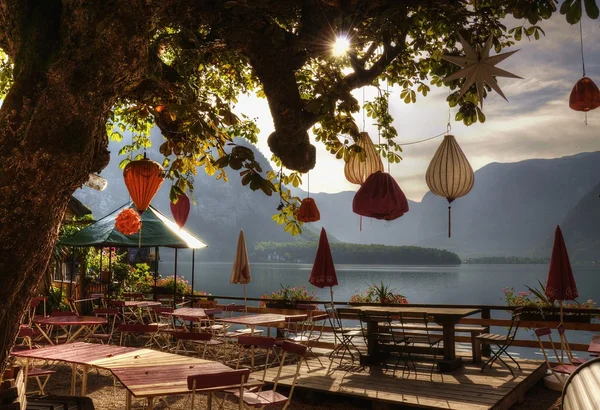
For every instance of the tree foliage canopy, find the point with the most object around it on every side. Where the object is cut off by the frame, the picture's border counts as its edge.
(202, 54)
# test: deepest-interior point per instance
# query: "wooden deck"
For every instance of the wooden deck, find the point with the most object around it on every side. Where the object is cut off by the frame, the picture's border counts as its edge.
(467, 388)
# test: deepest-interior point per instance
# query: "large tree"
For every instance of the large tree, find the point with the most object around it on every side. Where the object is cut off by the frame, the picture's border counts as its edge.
(75, 73)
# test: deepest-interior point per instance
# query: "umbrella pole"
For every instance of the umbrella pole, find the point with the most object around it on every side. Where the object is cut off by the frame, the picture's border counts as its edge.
(193, 262)
(175, 282)
(245, 306)
(331, 293)
(561, 339)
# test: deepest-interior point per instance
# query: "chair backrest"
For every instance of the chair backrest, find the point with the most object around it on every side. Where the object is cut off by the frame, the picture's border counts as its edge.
(58, 313)
(106, 312)
(217, 381)
(256, 341)
(117, 303)
(542, 333)
(420, 320)
(137, 328)
(514, 324)
(194, 336)
(299, 352)
(582, 390)
(334, 320)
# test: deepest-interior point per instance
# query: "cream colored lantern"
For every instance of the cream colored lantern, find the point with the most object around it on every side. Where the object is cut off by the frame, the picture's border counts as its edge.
(357, 171)
(449, 174)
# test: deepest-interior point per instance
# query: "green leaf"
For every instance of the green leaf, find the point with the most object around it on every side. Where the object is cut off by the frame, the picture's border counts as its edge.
(591, 8)
(574, 13)
(564, 8)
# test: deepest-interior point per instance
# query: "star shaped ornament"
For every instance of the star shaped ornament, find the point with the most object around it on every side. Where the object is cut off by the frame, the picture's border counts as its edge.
(479, 68)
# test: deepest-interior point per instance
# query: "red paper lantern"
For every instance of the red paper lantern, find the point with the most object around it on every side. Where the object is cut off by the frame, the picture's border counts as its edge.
(380, 197)
(128, 222)
(180, 210)
(585, 95)
(143, 178)
(308, 211)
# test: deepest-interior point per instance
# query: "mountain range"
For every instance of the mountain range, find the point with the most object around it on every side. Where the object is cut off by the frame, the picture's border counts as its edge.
(512, 210)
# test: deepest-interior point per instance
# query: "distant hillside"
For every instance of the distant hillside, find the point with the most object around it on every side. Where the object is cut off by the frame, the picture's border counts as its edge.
(355, 253)
(581, 230)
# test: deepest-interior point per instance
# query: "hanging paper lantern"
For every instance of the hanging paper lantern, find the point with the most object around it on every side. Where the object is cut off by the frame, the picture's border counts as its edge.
(380, 197)
(357, 171)
(585, 95)
(449, 174)
(143, 178)
(308, 211)
(128, 222)
(180, 210)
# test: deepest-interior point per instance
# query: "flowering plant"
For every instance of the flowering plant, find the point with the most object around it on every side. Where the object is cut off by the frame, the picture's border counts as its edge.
(536, 298)
(183, 287)
(378, 294)
(291, 294)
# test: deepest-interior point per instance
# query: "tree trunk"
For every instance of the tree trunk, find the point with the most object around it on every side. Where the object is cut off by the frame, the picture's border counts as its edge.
(70, 66)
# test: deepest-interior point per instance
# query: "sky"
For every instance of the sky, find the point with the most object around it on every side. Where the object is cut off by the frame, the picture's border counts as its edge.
(536, 122)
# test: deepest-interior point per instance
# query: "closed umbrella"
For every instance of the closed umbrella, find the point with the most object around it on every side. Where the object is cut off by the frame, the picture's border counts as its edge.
(323, 271)
(241, 266)
(560, 284)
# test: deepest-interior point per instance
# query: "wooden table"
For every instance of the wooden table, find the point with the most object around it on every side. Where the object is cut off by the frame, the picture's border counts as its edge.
(152, 381)
(197, 313)
(134, 308)
(594, 348)
(87, 324)
(266, 319)
(446, 317)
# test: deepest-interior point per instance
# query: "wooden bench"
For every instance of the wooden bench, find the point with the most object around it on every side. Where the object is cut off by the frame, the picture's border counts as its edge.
(582, 388)
(473, 330)
(14, 398)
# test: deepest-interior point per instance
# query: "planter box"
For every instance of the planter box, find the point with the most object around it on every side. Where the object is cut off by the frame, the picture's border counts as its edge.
(281, 304)
(555, 317)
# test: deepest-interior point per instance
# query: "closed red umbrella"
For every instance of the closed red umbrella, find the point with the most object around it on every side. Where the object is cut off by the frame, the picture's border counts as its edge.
(560, 284)
(323, 271)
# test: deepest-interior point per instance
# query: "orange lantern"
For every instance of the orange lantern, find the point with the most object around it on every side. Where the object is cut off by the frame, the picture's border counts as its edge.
(143, 178)
(585, 95)
(308, 211)
(128, 222)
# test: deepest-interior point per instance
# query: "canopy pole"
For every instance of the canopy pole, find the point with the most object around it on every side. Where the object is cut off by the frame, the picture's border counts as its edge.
(175, 282)
(72, 271)
(109, 272)
(100, 274)
(193, 263)
(155, 270)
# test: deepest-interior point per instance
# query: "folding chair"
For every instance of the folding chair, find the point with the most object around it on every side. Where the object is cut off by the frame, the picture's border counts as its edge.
(564, 347)
(216, 382)
(561, 368)
(423, 336)
(343, 336)
(128, 329)
(106, 335)
(271, 397)
(252, 343)
(390, 340)
(196, 340)
(502, 342)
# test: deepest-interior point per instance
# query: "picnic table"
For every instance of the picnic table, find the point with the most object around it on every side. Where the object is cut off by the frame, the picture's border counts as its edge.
(265, 319)
(446, 317)
(594, 348)
(86, 325)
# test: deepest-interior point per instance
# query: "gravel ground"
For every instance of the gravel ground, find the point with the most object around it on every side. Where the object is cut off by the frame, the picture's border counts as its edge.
(108, 396)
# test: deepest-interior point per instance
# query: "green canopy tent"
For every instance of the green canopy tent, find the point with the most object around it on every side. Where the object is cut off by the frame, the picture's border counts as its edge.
(157, 230)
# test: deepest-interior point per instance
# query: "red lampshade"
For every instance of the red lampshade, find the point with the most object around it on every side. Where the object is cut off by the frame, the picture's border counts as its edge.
(143, 178)
(128, 222)
(585, 95)
(308, 211)
(181, 210)
(380, 197)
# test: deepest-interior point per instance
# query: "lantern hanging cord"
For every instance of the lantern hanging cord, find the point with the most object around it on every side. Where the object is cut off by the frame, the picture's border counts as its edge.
(581, 42)
(423, 140)
(363, 110)
(449, 123)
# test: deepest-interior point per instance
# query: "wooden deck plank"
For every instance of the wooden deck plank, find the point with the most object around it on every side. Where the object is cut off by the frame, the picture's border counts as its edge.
(467, 388)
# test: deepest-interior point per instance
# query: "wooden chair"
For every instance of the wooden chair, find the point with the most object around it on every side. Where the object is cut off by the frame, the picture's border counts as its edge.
(343, 336)
(106, 335)
(271, 397)
(561, 368)
(127, 329)
(250, 344)
(582, 389)
(41, 376)
(200, 342)
(564, 346)
(425, 337)
(390, 340)
(215, 382)
(502, 342)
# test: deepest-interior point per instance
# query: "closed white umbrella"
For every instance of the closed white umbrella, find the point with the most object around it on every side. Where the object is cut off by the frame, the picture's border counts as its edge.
(241, 265)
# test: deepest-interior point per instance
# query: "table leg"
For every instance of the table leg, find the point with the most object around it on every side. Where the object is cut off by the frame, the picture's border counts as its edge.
(44, 334)
(26, 373)
(73, 378)
(450, 361)
(128, 401)
(373, 348)
(84, 380)
(74, 335)
(150, 403)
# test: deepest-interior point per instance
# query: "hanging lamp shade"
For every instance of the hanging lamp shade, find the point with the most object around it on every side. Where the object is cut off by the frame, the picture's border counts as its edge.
(585, 95)
(357, 171)
(449, 174)
(180, 209)
(128, 222)
(308, 211)
(380, 197)
(143, 178)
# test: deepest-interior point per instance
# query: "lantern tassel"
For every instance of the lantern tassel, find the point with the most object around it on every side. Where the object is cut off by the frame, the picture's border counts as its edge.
(449, 221)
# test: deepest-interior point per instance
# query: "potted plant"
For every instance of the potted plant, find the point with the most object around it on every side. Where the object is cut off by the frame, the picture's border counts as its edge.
(534, 300)
(287, 297)
(378, 294)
